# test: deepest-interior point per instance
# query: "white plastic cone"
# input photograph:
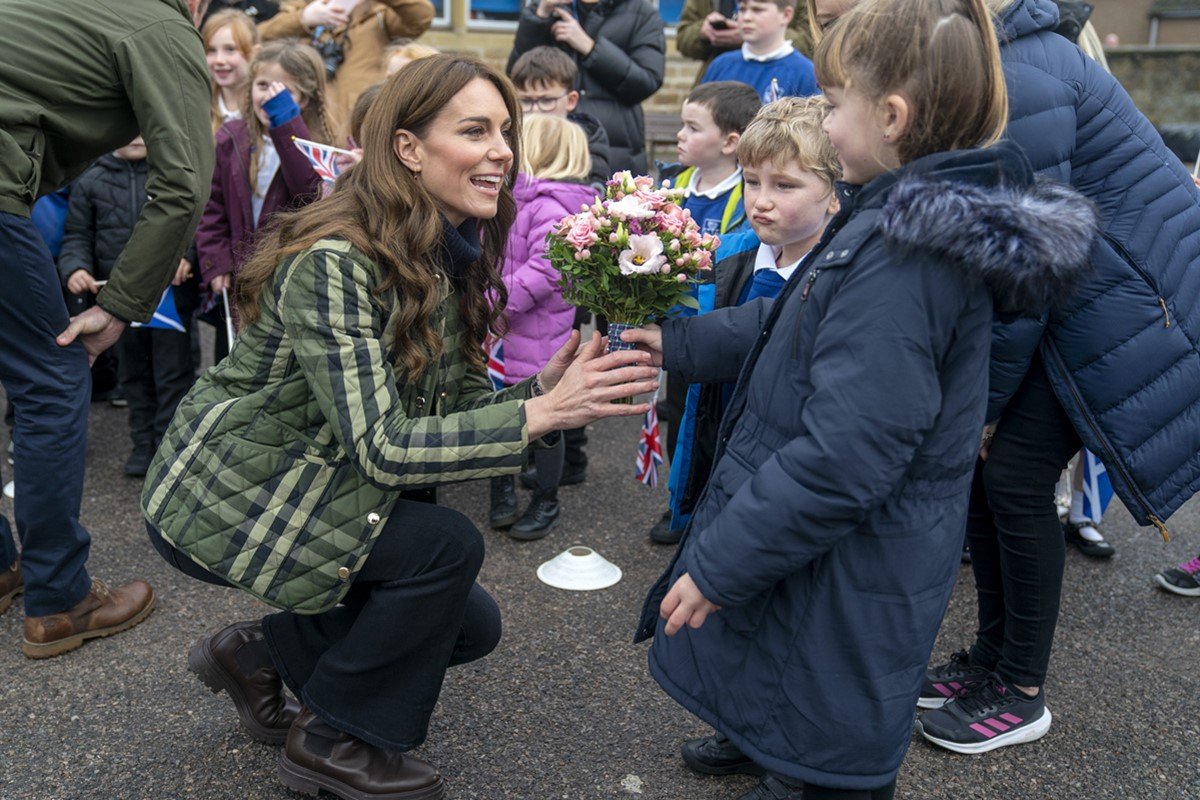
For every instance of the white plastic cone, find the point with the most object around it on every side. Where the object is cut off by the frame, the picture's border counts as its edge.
(8, 489)
(579, 569)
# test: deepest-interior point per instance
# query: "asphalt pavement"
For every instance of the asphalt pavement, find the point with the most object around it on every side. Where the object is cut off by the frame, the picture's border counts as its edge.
(565, 708)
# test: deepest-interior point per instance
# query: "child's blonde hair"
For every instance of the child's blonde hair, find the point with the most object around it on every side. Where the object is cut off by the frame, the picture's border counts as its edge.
(409, 49)
(941, 54)
(303, 64)
(789, 130)
(245, 37)
(554, 149)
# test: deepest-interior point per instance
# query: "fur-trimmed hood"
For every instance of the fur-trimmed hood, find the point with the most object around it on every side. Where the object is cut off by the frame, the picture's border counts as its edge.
(1029, 241)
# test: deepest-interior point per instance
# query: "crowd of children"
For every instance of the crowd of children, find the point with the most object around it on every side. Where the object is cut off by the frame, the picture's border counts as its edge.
(802, 505)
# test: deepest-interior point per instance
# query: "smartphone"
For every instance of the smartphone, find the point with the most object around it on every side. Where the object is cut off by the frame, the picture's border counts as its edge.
(720, 25)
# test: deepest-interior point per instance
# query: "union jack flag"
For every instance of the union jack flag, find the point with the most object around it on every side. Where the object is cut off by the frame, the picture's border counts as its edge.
(322, 157)
(494, 347)
(650, 450)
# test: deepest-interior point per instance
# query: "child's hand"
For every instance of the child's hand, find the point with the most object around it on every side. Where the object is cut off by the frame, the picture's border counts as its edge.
(685, 605)
(219, 283)
(82, 281)
(648, 340)
(344, 162)
(985, 440)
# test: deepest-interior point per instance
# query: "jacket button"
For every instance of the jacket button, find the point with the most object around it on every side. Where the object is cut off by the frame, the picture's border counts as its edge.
(373, 518)
(844, 253)
(420, 401)
(829, 256)
(344, 573)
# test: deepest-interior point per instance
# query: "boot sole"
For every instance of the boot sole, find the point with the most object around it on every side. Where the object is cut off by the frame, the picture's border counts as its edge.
(500, 523)
(740, 768)
(301, 779)
(533, 536)
(1030, 733)
(57, 648)
(202, 664)
(7, 600)
(932, 703)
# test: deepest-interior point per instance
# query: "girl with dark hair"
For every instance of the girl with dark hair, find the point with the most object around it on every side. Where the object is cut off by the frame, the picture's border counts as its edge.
(301, 467)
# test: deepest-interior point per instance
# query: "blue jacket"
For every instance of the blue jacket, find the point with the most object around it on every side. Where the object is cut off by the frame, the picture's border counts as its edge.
(1123, 352)
(831, 527)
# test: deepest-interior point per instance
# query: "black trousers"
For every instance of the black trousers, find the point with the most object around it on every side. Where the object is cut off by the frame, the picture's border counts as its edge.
(812, 792)
(156, 372)
(374, 665)
(1016, 539)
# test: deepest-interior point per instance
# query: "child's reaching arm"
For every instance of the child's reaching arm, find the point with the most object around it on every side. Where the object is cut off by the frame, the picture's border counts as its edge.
(79, 241)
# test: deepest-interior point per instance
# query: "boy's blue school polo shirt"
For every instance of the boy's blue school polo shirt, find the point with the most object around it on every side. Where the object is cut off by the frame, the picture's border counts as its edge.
(793, 72)
(709, 207)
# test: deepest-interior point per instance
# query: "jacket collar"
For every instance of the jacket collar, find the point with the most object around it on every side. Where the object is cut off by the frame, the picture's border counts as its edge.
(1025, 17)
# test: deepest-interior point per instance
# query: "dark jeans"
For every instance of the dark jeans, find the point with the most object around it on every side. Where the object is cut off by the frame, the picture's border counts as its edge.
(156, 372)
(1017, 548)
(49, 387)
(373, 666)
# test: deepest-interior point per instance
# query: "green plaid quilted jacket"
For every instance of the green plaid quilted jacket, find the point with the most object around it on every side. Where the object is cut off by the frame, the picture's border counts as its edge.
(282, 463)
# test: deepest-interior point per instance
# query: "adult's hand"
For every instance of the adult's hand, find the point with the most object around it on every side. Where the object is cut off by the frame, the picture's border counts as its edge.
(648, 340)
(182, 273)
(82, 281)
(587, 388)
(570, 32)
(728, 36)
(685, 605)
(330, 13)
(96, 329)
(220, 283)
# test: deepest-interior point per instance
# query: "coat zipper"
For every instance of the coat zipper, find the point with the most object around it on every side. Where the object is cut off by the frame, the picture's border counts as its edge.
(1145, 276)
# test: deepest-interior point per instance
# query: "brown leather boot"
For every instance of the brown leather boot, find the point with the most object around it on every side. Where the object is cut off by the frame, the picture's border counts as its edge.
(236, 660)
(318, 756)
(11, 585)
(102, 612)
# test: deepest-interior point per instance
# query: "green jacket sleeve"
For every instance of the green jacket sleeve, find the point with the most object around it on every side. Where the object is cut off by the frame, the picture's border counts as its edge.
(162, 68)
(688, 40)
(336, 333)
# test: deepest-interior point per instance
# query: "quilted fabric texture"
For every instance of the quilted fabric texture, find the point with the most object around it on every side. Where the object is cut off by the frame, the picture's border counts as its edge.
(1122, 353)
(283, 462)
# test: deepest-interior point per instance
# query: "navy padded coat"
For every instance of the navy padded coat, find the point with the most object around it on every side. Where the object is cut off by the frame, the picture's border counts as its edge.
(831, 527)
(1122, 354)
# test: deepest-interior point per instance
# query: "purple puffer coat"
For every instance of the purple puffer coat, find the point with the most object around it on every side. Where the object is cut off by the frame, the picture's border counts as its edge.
(539, 321)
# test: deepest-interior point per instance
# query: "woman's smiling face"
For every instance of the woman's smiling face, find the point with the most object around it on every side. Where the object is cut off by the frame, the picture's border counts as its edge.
(465, 155)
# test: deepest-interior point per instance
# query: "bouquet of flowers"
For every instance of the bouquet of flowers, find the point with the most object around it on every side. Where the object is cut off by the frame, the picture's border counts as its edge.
(630, 256)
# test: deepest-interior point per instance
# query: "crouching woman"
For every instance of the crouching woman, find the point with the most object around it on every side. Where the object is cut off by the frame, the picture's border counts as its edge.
(299, 469)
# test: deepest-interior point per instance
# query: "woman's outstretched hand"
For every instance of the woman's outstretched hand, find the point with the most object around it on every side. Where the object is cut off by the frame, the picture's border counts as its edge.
(648, 340)
(581, 384)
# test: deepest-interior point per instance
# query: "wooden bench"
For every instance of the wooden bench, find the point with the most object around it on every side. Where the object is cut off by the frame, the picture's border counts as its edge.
(661, 127)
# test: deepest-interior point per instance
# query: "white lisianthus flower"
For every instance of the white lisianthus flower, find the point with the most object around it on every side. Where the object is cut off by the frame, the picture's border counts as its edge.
(644, 256)
(630, 207)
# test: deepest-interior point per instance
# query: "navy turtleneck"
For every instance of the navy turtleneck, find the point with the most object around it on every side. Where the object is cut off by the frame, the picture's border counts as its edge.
(461, 247)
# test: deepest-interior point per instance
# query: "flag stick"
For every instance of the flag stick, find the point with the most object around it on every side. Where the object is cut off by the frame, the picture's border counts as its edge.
(228, 316)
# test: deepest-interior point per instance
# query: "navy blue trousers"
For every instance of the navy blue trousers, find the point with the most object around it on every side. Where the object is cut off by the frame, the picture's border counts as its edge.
(50, 388)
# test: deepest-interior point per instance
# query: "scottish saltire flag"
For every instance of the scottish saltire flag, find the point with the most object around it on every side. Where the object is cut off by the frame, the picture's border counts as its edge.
(773, 93)
(322, 157)
(650, 450)
(1097, 488)
(166, 316)
(494, 347)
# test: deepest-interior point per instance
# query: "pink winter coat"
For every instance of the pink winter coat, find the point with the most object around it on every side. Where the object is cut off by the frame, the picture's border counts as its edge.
(539, 321)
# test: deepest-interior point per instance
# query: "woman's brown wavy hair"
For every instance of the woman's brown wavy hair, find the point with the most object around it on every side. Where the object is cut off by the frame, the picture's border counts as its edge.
(380, 208)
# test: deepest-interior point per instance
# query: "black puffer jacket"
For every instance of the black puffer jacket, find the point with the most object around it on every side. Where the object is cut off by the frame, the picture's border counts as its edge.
(624, 68)
(104, 207)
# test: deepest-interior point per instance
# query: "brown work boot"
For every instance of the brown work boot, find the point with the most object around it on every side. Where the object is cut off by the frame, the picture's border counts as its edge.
(236, 660)
(11, 585)
(319, 756)
(103, 612)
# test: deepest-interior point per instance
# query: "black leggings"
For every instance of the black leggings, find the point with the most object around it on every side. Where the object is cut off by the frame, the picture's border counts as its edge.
(1017, 548)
